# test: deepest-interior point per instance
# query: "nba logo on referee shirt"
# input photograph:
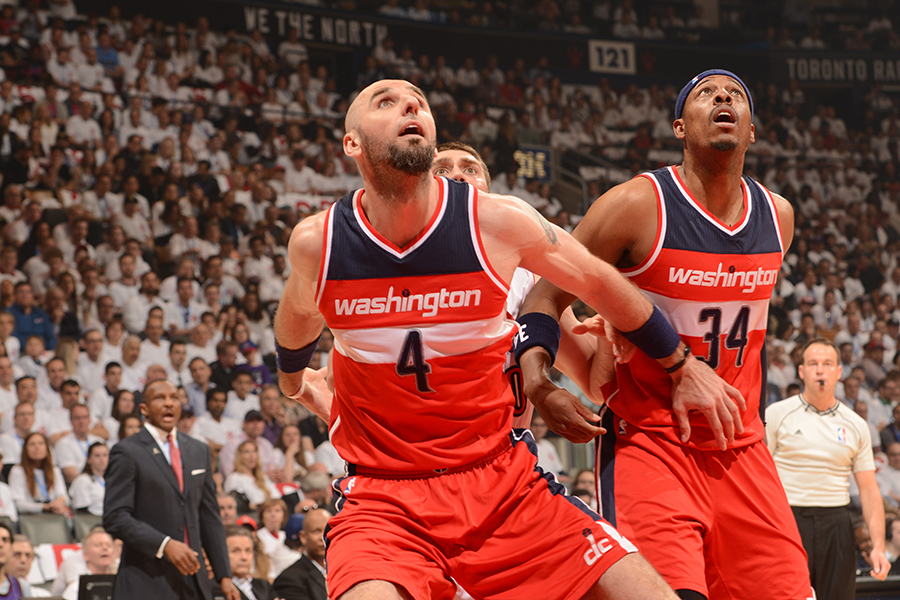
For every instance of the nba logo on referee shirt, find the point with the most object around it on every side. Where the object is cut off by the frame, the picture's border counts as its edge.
(842, 435)
(597, 550)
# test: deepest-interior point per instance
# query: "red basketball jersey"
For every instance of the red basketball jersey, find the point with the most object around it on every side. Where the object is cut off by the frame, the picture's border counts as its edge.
(421, 334)
(713, 283)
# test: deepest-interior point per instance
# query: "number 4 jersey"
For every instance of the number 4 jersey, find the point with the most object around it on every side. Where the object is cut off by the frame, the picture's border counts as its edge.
(713, 282)
(421, 334)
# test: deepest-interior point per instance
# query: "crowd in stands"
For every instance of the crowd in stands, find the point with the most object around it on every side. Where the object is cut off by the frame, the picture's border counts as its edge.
(792, 25)
(152, 174)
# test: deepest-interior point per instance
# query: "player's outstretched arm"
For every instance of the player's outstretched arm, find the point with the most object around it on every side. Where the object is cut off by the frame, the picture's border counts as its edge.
(298, 322)
(561, 260)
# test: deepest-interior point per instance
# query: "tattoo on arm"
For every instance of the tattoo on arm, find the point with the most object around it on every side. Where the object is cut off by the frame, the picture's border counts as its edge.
(547, 227)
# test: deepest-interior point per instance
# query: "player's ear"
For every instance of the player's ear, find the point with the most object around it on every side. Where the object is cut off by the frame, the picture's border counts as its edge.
(678, 128)
(752, 133)
(351, 144)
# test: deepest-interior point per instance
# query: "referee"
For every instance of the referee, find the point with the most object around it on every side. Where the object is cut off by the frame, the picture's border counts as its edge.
(817, 442)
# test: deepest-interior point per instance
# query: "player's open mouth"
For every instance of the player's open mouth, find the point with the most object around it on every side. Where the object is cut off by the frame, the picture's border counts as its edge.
(724, 115)
(411, 129)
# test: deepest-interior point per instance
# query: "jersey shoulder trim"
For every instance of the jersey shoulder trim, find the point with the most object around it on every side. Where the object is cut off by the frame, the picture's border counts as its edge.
(661, 227)
(326, 251)
(478, 244)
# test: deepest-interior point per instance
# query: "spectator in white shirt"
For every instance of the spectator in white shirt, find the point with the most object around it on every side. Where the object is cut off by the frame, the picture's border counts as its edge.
(9, 341)
(184, 269)
(72, 448)
(37, 484)
(257, 265)
(8, 399)
(11, 442)
(61, 69)
(298, 177)
(154, 349)
(99, 553)
(82, 129)
(214, 427)
(248, 477)
(91, 75)
(183, 313)
(135, 311)
(127, 285)
(272, 286)
(134, 370)
(88, 488)
(101, 401)
(201, 345)
(241, 400)
(91, 362)
(134, 224)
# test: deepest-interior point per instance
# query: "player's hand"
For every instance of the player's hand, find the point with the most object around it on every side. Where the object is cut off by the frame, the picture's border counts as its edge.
(229, 589)
(622, 349)
(565, 414)
(880, 565)
(696, 387)
(181, 555)
(310, 388)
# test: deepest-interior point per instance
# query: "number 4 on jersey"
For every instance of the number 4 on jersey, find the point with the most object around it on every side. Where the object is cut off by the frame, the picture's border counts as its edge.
(735, 340)
(412, 360)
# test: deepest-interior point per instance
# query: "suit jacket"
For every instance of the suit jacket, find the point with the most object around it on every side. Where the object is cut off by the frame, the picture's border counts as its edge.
(144, 504)
(301, 581)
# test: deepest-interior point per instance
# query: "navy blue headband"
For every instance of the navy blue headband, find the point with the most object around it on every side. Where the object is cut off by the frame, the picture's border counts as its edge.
(682, 97)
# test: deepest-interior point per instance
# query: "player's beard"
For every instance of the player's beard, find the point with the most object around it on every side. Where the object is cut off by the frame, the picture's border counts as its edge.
(412, 159)
(724, 146)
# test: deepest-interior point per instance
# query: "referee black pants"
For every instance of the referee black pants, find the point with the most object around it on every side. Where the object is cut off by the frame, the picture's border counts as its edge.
(827, 535)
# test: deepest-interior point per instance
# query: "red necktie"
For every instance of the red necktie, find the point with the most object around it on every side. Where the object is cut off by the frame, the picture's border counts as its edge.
(175, 454)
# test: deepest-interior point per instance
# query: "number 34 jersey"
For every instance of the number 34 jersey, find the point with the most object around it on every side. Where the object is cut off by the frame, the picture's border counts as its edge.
(713, 282)
(421, 333)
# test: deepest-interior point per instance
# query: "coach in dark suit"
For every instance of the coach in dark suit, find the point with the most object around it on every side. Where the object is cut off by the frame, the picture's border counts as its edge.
(305, 579)
(149, 509)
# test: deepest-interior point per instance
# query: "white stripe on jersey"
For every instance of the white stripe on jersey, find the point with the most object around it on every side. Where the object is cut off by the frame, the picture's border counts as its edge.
(475, 244)
(329, 232)
(663, 226)
(685, 314)
(380, 346)
(774, 212)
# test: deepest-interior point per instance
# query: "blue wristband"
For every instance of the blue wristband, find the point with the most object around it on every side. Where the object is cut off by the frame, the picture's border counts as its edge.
(656, 338)
(537, 329)
(294, 361)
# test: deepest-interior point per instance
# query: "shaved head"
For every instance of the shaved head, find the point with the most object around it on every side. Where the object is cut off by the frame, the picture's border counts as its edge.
(364, 99)
(390, 133)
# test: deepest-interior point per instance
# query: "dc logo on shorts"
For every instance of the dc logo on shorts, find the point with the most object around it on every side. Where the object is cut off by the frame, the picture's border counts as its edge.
(842, 435)
(597, 549)
(349, 485)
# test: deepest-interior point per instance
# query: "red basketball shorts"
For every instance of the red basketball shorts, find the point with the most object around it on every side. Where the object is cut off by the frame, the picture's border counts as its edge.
(501, 528)
(714, 522)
